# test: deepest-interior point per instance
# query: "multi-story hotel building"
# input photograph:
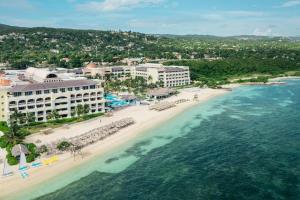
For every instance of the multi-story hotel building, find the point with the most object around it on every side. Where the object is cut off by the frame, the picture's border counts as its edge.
(42, 91)
(94, 70)
(169, 76)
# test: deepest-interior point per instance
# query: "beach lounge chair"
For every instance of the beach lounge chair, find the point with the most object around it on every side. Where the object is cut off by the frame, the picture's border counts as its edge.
(36, 164)
(24, 175)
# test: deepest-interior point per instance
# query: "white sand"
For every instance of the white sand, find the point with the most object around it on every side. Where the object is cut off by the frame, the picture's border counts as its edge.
(144, 118)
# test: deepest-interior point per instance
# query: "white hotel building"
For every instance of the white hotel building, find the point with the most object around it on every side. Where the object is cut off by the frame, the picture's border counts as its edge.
(40, 91)
(169, 76)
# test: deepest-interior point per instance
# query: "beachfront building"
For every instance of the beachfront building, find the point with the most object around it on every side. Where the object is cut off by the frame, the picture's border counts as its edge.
(41, 91)
(94, 70)
(160, 93)
(167, 76)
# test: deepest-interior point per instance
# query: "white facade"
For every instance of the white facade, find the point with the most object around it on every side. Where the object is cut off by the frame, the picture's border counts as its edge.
(169, 76)
(113, 71)
(42, 98)
(42, 91)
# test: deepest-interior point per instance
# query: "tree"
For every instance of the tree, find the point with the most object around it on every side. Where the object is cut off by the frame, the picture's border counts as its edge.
(30, 117)
(86, 109)
(53, 115)
(75, 62)
(79, 110)
(16, 117)
(12, 135)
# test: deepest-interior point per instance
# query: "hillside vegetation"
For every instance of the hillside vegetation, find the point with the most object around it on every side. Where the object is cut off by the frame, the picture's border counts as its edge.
(209, 57)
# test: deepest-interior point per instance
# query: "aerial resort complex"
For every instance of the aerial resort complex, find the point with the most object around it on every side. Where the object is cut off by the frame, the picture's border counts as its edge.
(55, 110)
(174, 100)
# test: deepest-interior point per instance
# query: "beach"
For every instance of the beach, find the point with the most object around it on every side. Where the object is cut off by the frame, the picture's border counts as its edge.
(144, 118)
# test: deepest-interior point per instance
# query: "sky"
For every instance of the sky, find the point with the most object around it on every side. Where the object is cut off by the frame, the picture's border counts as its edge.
(203, 17)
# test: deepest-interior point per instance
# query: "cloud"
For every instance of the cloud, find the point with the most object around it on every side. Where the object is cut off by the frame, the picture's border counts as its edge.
(244, 13)
(263, 32)
(291, 3)
(115, 5)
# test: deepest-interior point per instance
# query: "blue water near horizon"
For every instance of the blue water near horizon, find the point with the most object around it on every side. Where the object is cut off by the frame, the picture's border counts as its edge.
(243, 145)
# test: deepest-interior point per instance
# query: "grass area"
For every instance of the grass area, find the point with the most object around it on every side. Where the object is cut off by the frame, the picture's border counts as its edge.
(38, 126)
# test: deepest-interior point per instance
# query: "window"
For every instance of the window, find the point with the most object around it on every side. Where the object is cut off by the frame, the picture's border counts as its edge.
(28, 93)
(85, 87)
(17, 94)
(92, 87)
(38, 92)
(62, 89)
(70, 89)
(46, 91)
(54, 90)
(77, 88)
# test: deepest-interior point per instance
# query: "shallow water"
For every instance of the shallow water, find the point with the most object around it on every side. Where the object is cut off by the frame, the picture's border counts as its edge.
(244, 145)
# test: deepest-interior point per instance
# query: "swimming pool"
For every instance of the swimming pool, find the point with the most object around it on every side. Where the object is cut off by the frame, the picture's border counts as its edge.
(114, 102)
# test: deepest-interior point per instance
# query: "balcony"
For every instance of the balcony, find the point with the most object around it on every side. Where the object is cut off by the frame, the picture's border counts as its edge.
(40, 114)
(12, 104)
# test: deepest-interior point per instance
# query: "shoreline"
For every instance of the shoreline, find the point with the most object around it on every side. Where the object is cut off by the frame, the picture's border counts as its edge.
(145, 120)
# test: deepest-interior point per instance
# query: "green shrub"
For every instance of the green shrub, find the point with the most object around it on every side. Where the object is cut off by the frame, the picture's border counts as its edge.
(31, 147)
(4, 127)
(63, 146)
(11, 159)
(9, 147)
(30, 157)
(296, 74)
(33, 152)
(3, 142)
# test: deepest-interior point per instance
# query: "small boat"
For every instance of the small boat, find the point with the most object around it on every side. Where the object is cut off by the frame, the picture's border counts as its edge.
(6, 170)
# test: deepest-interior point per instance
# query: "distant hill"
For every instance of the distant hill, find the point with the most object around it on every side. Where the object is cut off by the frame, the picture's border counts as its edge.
(4, 27)
(21, 46)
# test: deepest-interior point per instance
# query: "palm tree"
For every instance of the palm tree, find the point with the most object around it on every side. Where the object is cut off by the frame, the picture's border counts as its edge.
(14, 118)
(86, 109)
(30, 117)
(79, 110)
(12, 134)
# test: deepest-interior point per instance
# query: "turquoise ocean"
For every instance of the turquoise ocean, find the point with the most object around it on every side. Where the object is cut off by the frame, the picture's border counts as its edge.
(243, 145)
